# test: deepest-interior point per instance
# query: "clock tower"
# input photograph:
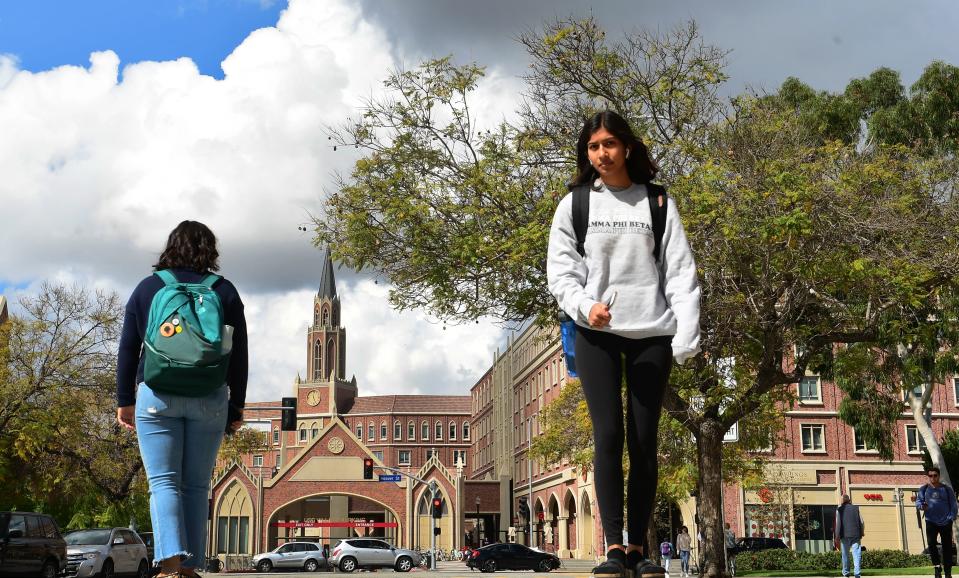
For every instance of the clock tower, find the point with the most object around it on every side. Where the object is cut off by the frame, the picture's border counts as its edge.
(325, 388)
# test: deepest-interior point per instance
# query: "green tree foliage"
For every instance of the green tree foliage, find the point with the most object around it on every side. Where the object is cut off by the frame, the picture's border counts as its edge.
(244, 441)
(60, 449)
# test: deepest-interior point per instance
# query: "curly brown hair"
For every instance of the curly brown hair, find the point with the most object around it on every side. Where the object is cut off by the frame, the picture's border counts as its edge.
(191, 245)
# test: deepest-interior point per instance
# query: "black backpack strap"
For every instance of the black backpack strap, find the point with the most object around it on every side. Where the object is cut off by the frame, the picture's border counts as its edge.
(580, 216)
(657, 210)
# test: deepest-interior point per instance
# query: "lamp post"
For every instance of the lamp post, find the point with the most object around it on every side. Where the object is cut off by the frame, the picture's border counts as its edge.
(476, 529)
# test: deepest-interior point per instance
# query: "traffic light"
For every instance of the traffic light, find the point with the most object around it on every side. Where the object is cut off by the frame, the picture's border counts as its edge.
(368, 468)
(288, 414)
(524, 509)
(437, 508)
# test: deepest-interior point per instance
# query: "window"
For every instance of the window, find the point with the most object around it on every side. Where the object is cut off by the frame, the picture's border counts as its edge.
(314, 432)
(276, 435)
(429, 454)
(410, 431)
(404, 457)
(383, 431)
(359, 431)
(371, 431)
(425, 431)
(459, 455)
(861, 445)
(914, 441)
(257, 461)
(378, 454)
(302, 434)
(466, 431)
(276, 460)
(439, 431)
(809, 389)
(232, 535)
(397, 430)
(955, 389)
(813, 438)
(452, 430)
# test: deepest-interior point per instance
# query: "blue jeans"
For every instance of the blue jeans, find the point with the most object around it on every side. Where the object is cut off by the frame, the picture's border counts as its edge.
(853, 545)
(179, 439)
(684, 561)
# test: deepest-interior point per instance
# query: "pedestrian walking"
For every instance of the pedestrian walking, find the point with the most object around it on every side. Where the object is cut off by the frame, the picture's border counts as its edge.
(848, 531)
(666, 551)
(620, 266)
(938, 503)
(181, 383)
(684, 544)
(730, 542)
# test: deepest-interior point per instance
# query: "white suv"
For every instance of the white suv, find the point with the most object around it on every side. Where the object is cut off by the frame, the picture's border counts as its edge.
(348, 555)
(106, 552)
(305, 555)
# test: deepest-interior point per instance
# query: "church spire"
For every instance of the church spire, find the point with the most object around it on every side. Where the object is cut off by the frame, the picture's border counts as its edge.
(327, 281)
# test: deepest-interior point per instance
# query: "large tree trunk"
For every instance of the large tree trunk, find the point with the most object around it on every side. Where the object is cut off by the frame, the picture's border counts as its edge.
(650, 547)
(918, 406)
(709, 452)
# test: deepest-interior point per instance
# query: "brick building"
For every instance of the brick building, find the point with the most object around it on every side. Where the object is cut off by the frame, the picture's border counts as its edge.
(308, 483)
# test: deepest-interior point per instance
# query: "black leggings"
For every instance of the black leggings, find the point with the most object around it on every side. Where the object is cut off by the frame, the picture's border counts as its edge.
(599, 363)
(945, 532)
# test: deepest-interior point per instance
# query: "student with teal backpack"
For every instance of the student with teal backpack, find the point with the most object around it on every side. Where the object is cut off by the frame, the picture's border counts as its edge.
(181, 383)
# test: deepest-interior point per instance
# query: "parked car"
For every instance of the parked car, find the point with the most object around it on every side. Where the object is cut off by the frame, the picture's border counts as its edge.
(305, 555)
(511, 557)
(106, 552)
(31, 545)
(353, 553)
(759, 543)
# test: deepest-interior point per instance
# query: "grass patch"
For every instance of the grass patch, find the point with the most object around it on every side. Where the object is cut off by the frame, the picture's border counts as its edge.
(914, 571)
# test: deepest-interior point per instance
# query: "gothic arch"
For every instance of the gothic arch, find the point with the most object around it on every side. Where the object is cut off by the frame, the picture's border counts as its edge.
(330, 357)
(317, 360)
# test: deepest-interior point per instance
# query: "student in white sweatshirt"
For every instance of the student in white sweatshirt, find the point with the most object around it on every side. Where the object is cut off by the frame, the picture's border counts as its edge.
(654, 318)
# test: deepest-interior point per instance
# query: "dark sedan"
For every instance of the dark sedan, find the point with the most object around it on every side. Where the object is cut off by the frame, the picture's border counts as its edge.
(511, 557)
(757, 544)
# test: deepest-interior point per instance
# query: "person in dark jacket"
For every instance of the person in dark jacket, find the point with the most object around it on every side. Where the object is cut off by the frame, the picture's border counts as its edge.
(938, 501)
(180, 435)
(848, 532)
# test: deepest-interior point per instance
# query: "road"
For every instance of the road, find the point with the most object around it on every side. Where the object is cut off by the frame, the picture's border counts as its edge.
(570, 569)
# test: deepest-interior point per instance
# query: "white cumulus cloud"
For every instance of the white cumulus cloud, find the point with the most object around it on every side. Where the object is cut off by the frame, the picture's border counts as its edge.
(99, 163)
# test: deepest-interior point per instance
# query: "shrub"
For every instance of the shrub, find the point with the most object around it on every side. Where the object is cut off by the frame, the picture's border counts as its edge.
(791, 560)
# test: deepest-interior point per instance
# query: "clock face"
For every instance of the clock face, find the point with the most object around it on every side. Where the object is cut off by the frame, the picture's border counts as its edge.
(313, 398)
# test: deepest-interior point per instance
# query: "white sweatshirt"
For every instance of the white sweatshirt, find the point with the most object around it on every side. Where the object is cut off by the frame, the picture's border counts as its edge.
(652, 299)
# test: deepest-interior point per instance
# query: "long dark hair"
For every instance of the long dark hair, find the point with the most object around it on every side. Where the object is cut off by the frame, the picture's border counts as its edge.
(640, 166)
(191, 245)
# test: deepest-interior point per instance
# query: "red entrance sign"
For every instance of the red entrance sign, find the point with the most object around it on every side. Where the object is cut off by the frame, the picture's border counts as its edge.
(335, 525)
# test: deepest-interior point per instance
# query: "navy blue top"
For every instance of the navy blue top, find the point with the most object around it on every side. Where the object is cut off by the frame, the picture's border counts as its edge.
(132, 353)
(941, 503)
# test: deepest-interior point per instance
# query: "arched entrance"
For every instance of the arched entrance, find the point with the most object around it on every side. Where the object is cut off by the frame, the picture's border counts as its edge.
(328, 518)
(571, 525)
(551, 533)
(587, 528)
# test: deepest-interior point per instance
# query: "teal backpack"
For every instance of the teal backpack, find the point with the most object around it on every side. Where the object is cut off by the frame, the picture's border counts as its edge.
(187, 344)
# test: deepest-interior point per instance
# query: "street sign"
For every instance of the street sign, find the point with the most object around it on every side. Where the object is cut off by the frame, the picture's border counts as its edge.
(390, 477)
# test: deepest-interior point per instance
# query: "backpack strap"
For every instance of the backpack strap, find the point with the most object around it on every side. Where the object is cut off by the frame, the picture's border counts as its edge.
(657, 210)
(210, 280)
(580, 216)
(166, 276)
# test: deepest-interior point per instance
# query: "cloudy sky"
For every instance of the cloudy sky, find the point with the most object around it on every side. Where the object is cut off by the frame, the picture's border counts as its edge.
(119, 119)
